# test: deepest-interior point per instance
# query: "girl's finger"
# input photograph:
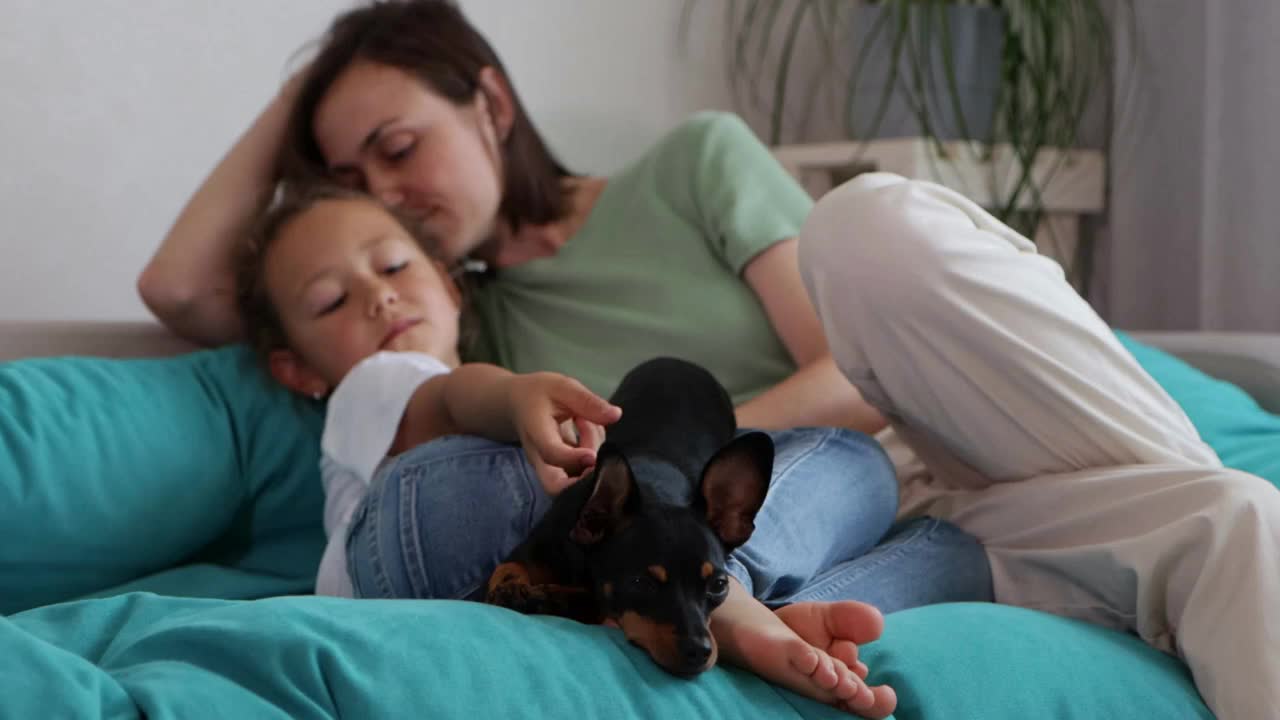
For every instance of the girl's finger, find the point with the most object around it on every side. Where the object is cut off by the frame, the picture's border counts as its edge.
(552, 478)
(590, 435)
(577, 399)
(570, 433)
(552, 449)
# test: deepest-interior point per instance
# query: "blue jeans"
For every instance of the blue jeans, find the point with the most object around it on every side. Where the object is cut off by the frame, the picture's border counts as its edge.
(439, 518)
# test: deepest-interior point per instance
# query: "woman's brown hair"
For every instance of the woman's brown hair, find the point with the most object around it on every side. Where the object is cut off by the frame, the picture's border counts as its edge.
(434, 42)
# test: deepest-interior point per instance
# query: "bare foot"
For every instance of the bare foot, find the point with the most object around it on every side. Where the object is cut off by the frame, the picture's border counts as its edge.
(752, 637)
(839, 628)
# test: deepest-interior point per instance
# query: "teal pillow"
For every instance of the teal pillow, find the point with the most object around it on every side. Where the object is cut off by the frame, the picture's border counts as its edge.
(114, 470)
(1243, 434)
(319, 657)
(997, 662)
(326, 658)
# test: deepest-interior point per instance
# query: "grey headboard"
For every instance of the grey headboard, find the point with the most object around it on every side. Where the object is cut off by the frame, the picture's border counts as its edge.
(1249, 360)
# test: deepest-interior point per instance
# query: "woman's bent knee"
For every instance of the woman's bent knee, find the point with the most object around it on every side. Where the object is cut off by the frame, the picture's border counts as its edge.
(869, 241)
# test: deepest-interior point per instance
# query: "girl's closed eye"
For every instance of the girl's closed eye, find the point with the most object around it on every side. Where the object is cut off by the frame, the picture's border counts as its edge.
(332, 306)
(394, 268)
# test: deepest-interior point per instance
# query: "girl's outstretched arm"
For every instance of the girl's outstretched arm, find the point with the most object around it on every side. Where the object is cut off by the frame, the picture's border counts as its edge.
(486, 400)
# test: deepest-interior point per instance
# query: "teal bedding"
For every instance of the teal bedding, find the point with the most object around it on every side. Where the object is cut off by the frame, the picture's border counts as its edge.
(309, 657)
(150, 504)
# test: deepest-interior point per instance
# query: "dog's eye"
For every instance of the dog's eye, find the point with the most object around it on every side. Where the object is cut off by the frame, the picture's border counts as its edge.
(640, 583)
(718, 585)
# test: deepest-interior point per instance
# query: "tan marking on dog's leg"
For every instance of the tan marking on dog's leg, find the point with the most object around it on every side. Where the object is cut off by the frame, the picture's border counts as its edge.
(506, 573)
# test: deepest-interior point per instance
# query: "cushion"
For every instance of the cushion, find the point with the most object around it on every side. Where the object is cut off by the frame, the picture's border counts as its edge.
(319, 657)
(115, 470)
(1244, 435)
(327, 657)
(995, 662)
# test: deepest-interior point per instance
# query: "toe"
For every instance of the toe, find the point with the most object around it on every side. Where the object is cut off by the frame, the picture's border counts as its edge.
(886, 701)
(825, 677)
(857, 622)
(803, 657)
(847, 653)
(850, 687)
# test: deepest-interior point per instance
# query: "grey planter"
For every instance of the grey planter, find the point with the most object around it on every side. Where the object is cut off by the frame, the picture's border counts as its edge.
(976, 44)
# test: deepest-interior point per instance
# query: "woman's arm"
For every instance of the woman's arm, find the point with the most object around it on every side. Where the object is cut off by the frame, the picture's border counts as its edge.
(189, 284)
(817, 393)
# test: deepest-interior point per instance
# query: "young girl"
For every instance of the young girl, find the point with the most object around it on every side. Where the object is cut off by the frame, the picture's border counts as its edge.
(342, 301)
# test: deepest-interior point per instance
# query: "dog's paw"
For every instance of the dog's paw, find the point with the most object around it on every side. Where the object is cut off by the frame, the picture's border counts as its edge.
(541, 599)
(521, 597)
(511, 587)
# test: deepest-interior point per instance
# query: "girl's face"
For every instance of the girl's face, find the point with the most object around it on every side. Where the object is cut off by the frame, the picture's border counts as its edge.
(348, 281)
(383, 131)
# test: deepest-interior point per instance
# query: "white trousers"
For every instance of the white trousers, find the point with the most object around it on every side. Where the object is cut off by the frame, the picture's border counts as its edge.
(1043, 437)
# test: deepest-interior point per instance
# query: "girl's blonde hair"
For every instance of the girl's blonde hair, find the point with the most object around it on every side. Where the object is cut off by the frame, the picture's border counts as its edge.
(260, 321)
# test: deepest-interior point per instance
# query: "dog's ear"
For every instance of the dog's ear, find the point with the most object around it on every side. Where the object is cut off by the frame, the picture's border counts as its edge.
(734, 483)
(612, 498)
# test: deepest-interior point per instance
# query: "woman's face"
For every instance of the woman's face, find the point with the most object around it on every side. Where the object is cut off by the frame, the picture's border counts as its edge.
(383, 131)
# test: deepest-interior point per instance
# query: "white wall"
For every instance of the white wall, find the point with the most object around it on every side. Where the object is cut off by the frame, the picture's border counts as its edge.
(113, 111)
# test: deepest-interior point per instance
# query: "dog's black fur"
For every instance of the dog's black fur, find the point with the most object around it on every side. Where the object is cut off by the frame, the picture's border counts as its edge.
(641, 541)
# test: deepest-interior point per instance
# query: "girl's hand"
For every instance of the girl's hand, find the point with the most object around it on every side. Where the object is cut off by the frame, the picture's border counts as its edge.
(582, 433)
(540, 402)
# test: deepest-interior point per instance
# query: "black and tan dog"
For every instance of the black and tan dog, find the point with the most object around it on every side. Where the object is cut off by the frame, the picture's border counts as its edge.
(641, 541)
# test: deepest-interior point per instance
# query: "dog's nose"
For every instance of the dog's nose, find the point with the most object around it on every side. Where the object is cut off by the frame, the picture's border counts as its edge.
(695, 651)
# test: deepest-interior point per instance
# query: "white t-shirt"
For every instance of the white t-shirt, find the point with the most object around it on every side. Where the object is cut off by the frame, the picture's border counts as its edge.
(360, 425)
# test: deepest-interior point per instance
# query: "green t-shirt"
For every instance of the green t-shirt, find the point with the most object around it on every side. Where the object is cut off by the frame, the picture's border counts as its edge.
(656, 269)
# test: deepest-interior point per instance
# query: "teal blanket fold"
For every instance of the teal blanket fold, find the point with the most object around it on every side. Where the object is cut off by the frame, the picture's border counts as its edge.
(145, 655)
(162, 657)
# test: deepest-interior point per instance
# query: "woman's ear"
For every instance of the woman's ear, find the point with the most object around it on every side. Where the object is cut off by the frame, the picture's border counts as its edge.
(292, 372)
(496, 102)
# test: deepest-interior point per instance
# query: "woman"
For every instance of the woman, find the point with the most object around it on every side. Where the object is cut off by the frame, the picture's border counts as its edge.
(406, 100)
(1090, 489)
